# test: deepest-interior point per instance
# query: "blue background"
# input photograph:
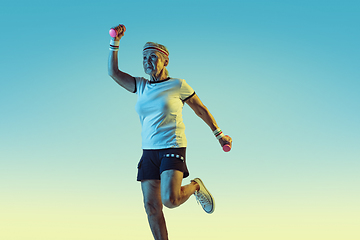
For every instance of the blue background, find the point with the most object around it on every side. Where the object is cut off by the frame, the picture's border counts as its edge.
(280, 77)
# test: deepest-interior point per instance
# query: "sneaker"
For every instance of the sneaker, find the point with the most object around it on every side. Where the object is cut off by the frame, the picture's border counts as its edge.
(204, 197)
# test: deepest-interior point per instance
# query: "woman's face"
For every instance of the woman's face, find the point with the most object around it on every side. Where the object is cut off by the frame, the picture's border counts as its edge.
(153, 62)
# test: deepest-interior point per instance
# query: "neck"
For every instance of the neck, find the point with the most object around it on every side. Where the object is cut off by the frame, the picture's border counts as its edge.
(159, 77)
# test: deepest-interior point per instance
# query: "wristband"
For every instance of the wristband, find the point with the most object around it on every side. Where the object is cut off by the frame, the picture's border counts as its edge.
(114, 45)
(218, 133)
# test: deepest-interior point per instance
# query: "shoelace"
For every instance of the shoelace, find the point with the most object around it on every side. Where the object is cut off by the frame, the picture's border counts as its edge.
(200, 198)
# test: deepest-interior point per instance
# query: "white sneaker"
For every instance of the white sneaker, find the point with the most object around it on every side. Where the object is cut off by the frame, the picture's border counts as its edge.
(204, 197)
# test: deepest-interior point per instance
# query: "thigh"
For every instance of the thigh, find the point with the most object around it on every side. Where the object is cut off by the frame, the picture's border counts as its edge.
(152, 193)
(149, 165)
(171, 183)
(173, 159)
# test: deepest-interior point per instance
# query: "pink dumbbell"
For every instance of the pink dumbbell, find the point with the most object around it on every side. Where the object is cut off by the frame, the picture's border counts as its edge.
(113, 32)
(227, 147)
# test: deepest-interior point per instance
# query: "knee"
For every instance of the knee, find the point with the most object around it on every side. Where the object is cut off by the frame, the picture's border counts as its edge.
(152, 208)
(171, 201)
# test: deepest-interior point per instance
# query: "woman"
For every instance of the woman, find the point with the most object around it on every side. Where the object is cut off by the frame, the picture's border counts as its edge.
(163, 163)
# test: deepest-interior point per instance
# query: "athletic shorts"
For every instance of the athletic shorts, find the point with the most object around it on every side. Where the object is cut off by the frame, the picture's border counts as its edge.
(154, 162)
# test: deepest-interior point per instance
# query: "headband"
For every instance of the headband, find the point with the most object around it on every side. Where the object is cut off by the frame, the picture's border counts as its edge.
(157, 49)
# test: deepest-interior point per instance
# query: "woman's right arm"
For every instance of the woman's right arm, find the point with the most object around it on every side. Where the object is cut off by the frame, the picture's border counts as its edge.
(123, 79)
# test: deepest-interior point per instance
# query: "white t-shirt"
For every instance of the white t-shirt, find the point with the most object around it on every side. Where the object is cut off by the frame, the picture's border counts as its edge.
(159, 106)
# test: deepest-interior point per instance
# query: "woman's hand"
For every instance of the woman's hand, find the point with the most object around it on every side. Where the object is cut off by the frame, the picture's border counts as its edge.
(225, 140)
(121, 31)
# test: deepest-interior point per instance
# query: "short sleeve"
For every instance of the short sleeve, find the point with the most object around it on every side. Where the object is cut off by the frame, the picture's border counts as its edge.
(186, 91)
(140, 83)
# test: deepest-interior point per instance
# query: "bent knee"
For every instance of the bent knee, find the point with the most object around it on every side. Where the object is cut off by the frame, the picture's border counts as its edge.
(171, 201)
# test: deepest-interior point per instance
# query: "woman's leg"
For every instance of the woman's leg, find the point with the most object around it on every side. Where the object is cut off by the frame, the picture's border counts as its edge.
(153, 206)
(172, 193)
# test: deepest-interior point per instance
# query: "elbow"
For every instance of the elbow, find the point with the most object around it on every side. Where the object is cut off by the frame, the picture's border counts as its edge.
(111, 72)
(112, 69)
(201, 111)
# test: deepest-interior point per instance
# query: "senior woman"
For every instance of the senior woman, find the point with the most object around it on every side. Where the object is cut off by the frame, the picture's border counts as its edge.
(163, 163)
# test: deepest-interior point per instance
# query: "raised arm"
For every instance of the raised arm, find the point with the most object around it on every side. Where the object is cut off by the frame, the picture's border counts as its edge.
(123, 79)
(201, 110)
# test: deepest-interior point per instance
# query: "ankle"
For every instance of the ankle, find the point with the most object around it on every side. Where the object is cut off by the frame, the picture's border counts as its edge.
(197, 186)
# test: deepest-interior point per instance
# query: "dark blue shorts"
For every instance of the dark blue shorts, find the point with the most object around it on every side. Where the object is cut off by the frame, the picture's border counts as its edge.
(154, 162)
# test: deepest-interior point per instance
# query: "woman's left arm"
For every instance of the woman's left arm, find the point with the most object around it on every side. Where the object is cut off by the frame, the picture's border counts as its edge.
(201, 110)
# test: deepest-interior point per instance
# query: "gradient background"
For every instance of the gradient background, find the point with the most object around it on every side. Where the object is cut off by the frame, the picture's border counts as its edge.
(281, 77)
